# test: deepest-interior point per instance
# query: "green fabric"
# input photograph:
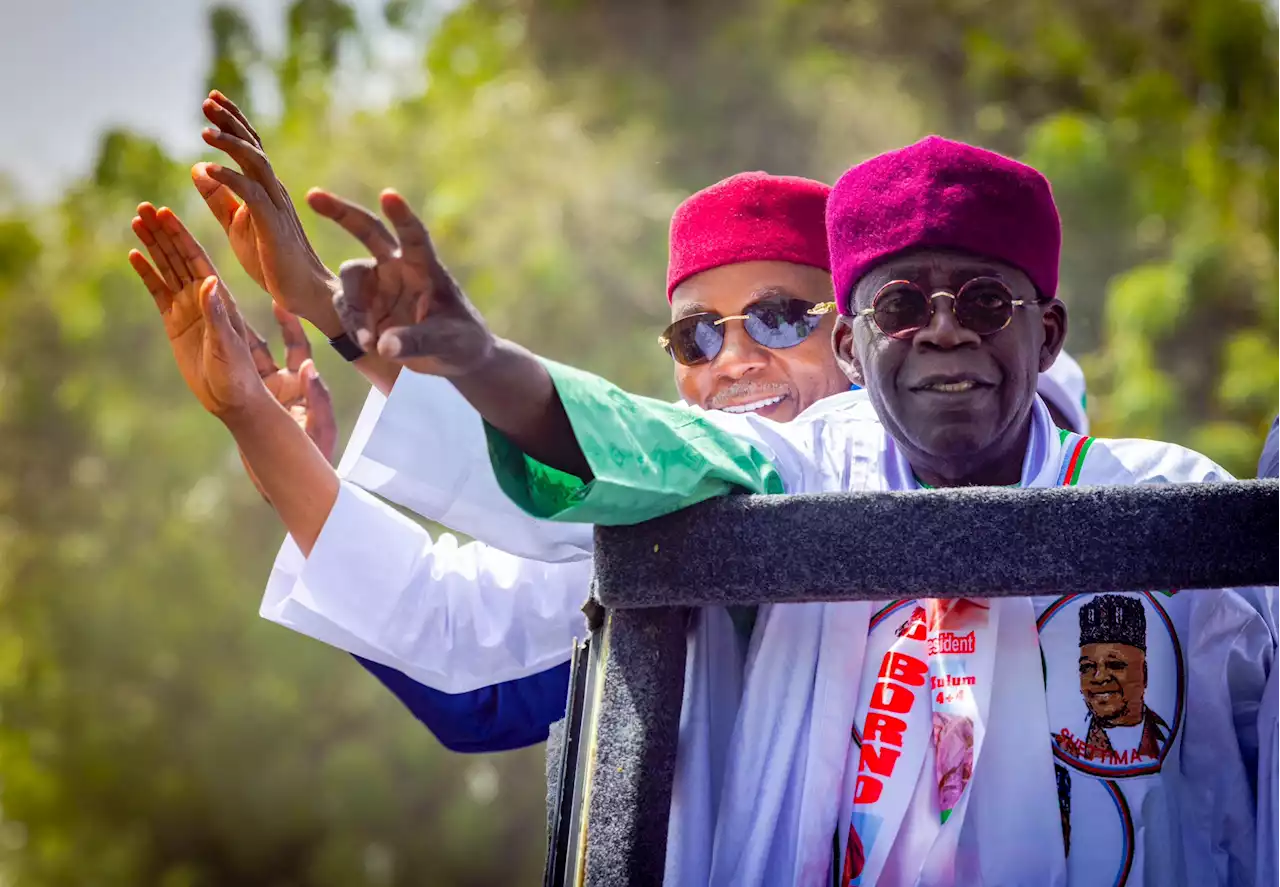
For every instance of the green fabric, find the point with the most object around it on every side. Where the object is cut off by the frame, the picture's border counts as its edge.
(649, 458)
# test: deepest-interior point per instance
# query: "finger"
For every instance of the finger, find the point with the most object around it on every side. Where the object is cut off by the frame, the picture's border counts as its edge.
(217, 196)
(151, 280)
(401, 343)
(231, 106)
(415, 242)
(252, 161)
(260, 350)
(357, 279)
(321, 424)
(222, 118)
(146, 227)
(193, 254)
(297, 350)
(168, 243)
(252, 193)
(361, 224)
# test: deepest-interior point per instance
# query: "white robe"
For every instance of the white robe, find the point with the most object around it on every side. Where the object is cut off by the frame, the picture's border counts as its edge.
(453, 617)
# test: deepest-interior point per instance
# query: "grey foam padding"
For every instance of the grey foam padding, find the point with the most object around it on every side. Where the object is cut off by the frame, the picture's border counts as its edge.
(979, 542)
(635, 747)
(555, 749)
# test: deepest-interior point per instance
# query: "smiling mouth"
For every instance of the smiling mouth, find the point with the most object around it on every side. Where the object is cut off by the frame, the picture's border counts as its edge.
(754, 405)
(950, 386)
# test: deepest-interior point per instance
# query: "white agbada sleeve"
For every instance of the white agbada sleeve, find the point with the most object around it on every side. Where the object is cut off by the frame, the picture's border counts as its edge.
(424, 447)
(453, 617)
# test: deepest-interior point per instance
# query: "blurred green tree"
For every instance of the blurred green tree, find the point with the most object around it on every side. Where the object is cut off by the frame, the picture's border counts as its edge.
(153, 731)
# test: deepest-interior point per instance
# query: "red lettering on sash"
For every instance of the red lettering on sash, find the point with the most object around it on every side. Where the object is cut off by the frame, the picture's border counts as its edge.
(867, 790)
(892, 697)
(904, 669)
(879, 761)
(884, 729)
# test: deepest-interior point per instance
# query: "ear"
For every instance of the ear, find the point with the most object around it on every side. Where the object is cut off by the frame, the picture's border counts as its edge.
(1054, 321)
(846, 354)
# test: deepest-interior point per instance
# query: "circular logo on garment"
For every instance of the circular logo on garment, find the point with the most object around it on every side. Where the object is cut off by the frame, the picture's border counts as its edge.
(1097, 829)
(1114, 681)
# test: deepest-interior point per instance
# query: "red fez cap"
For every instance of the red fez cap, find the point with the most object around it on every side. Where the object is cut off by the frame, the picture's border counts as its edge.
(947, 195)
(750, 217)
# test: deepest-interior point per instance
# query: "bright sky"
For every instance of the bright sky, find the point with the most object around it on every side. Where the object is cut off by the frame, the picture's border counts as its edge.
(71, 68)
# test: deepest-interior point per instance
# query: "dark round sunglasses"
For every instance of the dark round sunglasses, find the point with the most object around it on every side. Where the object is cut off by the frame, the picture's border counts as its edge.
(774, 323)
(901, 309)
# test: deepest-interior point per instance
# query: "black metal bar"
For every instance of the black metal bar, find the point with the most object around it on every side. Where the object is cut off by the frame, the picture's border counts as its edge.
(628, 794)
(984, 542)
(562, 824)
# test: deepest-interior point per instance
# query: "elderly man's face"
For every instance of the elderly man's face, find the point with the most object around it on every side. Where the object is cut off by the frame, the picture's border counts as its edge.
(746, 376)
(1113, 680)
(958, 403)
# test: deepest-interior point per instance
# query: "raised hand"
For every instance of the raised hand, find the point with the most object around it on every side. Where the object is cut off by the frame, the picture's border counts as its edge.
(297, 386)
(200, 317)
(402, 303)
(262, 225)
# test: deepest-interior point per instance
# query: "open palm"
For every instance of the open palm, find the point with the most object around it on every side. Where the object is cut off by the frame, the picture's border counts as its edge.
(183, 282)
(296, 385)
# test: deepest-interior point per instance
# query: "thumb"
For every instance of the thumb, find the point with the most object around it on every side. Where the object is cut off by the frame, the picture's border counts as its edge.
(219, 332)
(217, 196)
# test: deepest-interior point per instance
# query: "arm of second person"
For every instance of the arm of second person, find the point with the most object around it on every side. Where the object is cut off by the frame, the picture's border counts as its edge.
(454, 617)
(501, 717)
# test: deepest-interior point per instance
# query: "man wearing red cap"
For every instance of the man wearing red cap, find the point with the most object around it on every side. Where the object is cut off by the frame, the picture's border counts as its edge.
(961, 769)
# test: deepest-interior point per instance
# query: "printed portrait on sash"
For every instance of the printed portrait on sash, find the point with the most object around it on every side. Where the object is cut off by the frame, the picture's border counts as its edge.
(1114, 680)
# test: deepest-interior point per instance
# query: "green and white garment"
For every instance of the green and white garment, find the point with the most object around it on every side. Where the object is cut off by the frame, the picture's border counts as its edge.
(1063, 791)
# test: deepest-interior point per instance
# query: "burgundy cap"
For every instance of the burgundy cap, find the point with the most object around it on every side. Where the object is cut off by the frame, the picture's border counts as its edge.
(947, 195)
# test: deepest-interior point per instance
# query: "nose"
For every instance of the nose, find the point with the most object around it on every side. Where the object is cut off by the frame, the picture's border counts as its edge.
(740, 354)
(945, 331)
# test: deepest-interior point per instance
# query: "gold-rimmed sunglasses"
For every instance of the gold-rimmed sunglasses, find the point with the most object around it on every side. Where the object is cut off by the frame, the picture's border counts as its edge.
(774, 323)
(984, 305)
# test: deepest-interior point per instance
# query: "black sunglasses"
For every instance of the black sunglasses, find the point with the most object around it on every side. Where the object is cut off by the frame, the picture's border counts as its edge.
(984, 305)
(774, 323)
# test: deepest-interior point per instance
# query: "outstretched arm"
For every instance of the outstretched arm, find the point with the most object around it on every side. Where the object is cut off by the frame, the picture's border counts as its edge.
(564, 444)
(405, 306)
(209, 344)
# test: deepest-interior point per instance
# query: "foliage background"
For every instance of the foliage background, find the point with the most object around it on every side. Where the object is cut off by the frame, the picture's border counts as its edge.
(153, 731)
